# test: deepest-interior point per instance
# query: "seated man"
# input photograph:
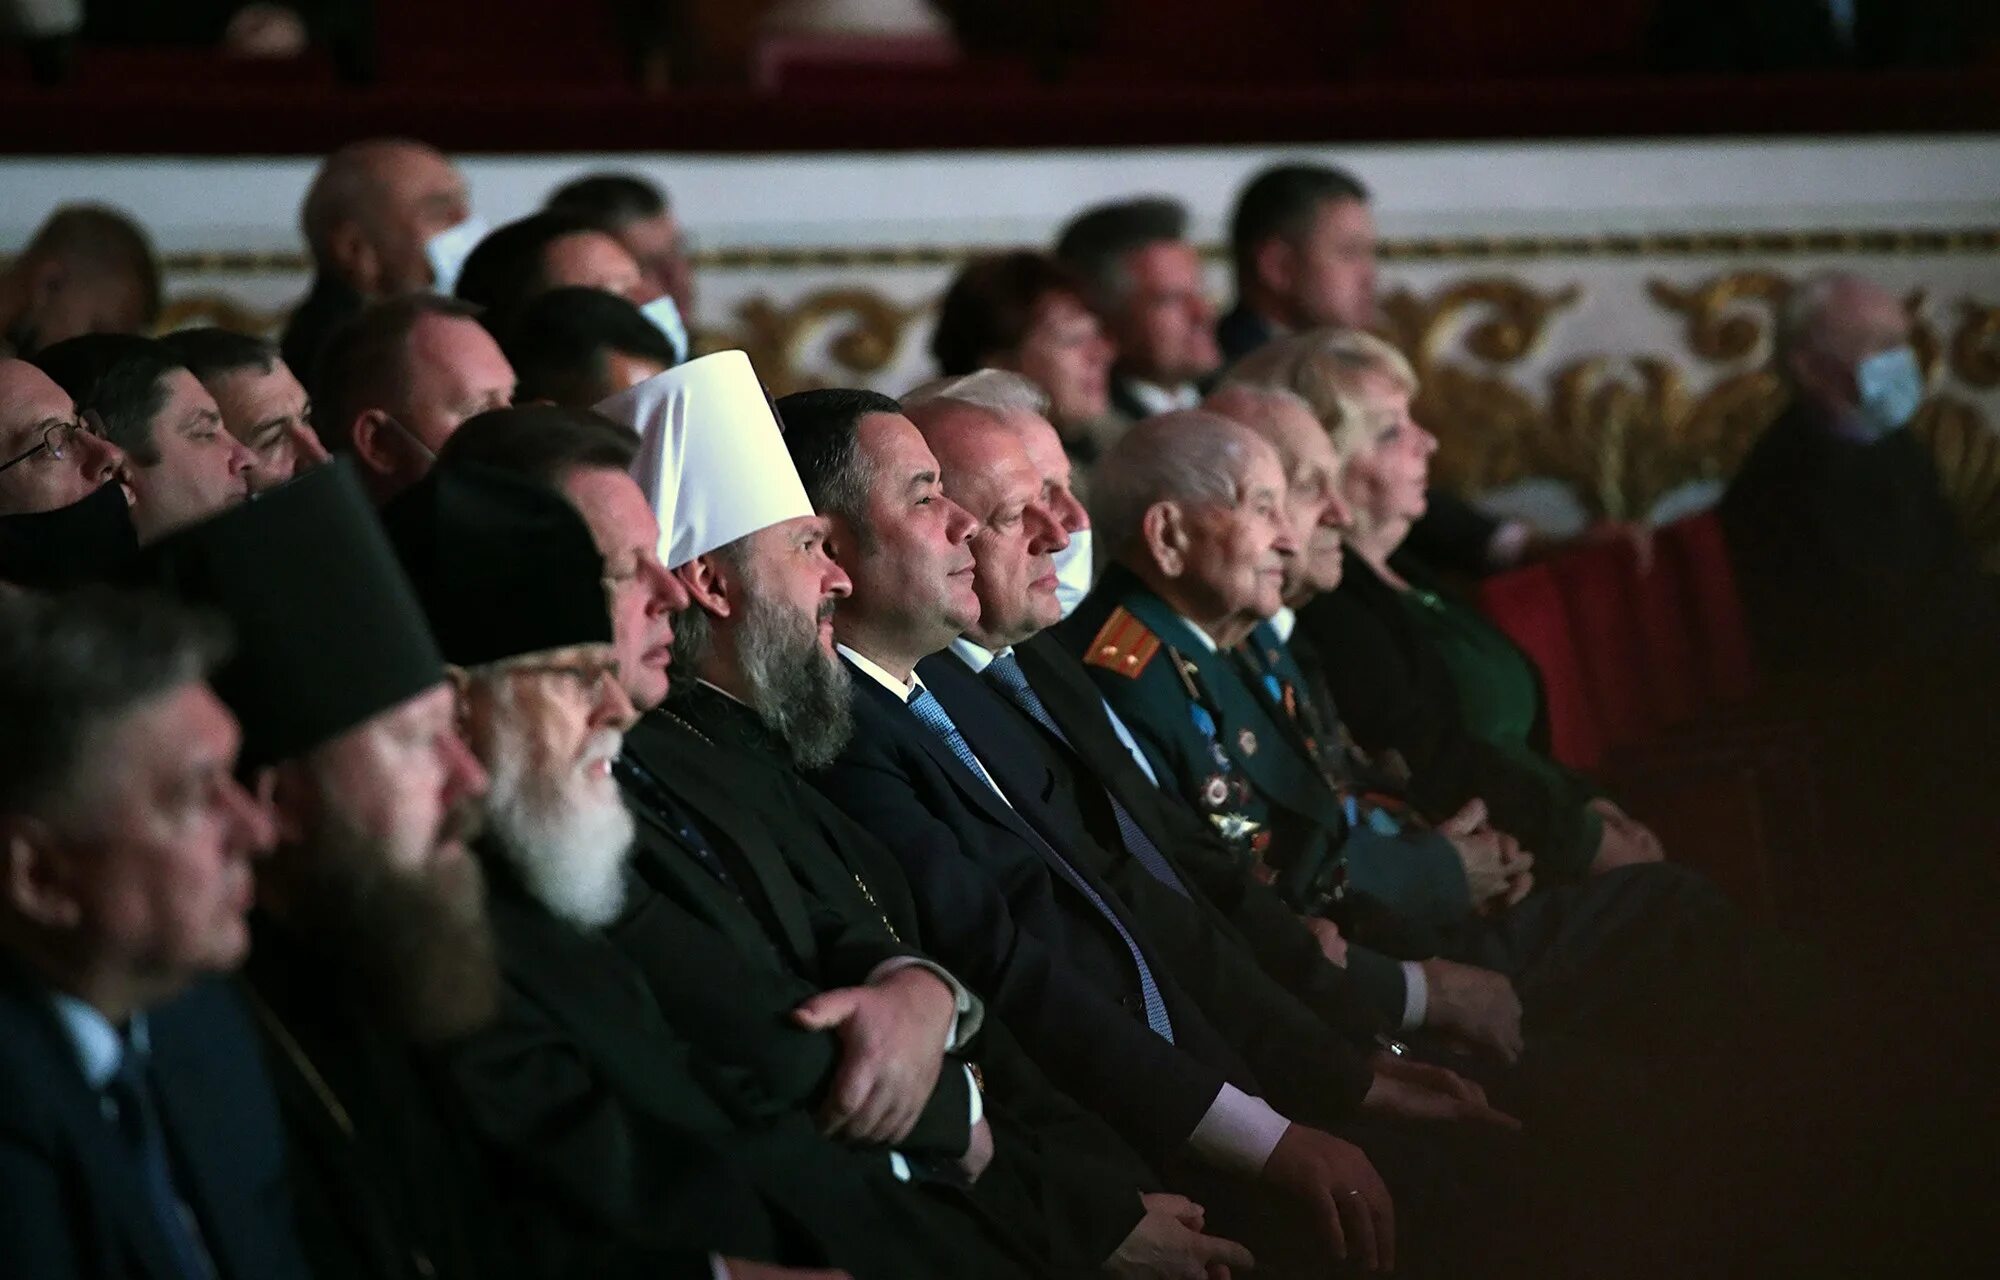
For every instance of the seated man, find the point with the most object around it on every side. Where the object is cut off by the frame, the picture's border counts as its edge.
(383, 218)
(262, 404)
(50, 456)
(637, 214)
(138, 1136)
(87, 269)
(585, 1086)
(1146, 285)
(577, 347)
(524, 259)
(181, 464)
(397, 379)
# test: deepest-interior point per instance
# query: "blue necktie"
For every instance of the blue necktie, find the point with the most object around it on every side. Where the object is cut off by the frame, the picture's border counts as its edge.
(1005, 671)
(137, 1118)
(930, 713)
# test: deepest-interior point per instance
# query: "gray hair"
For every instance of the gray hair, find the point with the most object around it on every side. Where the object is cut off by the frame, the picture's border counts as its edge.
(1324, 368)
(998, 391)
(1801, 320)
(73, 666)
(1260, 399)
(1192, 457)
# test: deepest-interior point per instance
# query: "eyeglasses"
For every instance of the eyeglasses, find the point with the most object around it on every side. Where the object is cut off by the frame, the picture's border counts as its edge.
(58, 438)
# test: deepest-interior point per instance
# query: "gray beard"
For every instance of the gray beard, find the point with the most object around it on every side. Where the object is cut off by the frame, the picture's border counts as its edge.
(799, 692)
(417, 945)
(569, 850)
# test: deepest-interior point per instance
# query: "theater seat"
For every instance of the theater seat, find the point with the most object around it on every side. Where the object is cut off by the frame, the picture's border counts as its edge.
(1694, 551)
(1600, 596)
(1527, 605)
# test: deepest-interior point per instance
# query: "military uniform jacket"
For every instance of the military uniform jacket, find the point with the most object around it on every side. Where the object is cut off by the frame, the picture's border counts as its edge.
(72, 1199)
(1205, 728)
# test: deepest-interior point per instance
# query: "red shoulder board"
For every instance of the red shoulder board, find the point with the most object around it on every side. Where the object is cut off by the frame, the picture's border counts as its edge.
(1123, 644)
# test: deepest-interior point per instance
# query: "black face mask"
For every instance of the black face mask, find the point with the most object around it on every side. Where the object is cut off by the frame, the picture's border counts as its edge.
(89, 541)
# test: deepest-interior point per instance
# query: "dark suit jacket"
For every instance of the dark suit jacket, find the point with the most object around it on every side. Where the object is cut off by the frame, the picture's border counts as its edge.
(1248, 909)
(1058, 1169)
(318, 314)
(72, 1203)
(1240, 332)
(1452, 537)
(992, 912)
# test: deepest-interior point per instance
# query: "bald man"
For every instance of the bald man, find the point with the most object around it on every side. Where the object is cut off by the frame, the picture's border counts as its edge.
(88, 269)
(382, 218)
(48, 457)
(1844, 546)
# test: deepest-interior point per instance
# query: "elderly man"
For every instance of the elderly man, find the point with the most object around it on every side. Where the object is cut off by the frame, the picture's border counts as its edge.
(181, 463)
(588, 1084)
(1845, 548)
(1146, 285)
(974, 807)
(708, 766)
(50, 456)
(261, 402)
(88, 269)
(382, 218)
(397, 379)
(138, 1136)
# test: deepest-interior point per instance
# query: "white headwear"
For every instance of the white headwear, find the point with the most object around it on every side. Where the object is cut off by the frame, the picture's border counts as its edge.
(711, 457)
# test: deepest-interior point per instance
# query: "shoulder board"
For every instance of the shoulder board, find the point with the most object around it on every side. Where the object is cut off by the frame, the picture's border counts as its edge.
(1123, 644)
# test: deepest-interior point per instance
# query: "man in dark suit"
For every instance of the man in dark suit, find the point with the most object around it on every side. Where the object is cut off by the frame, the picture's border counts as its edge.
(138, 1136)
(768, 915)
(587, 1083)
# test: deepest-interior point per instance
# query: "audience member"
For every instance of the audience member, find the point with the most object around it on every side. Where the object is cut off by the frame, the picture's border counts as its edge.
(140, 1130)
(50, 455)
(398, 378)
(1026, 312)
(261, 401)
(637, 213)
(578, 346)
(524, 259)
(87, 269)
(181, 463)
(382, 218)
(1302, 243)
(1146, 284)
(1845, 549)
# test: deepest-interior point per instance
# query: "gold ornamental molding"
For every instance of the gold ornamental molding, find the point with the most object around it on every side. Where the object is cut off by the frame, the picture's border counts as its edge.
(1869, 241)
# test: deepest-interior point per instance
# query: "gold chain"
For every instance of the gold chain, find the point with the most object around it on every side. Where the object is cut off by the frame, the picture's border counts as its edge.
(292, 1049)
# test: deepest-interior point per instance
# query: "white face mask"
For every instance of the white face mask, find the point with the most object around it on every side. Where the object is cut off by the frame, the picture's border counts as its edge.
(665, 315)
(1074, 570)
(448, 250)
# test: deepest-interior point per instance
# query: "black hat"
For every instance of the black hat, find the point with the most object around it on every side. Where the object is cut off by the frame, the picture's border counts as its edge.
(89, 541)
(328, 632)
(503, 566)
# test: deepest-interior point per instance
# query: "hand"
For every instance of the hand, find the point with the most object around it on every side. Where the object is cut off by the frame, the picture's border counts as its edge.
(1520, 868)
(1485, 874)
(1469, 820)
(1477, 1006)
(1168, 1244)
(1420, 1091)
(265, 31)
(1327, 934)
(979, 1153)
(893, 1032)
(1342, 1191)
(741, 1269)
(1626, 841)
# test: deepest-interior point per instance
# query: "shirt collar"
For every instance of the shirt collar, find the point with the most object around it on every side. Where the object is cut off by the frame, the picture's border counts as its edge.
(710, 684)
(1154, 398)
(100, 1049)
(978, 656)
(1283, 621)
(1202, 638)
(904, 692)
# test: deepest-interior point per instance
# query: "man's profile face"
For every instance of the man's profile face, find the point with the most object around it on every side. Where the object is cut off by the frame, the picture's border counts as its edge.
(1165, 325)
(456, 372)
(31, 406)
(644, 597)
(202, 468)
(162, 841)
(789, 569)
(1314, 507)
(661, 250)
(1051, 461)
(992, 477)
(915, 569)
(418, 195)
(405, 780)
(1236, 555)
(1334, 268)
(269, 412)
(73, 299)
(594, 260)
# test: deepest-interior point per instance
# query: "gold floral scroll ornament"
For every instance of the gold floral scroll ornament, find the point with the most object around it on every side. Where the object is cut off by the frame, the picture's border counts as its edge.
(858, 330)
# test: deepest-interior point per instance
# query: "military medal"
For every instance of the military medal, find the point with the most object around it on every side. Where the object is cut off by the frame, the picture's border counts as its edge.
(1215, 791)
(1247, 740)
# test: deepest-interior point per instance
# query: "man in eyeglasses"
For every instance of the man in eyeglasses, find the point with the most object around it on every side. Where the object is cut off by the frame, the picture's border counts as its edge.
(49, 457)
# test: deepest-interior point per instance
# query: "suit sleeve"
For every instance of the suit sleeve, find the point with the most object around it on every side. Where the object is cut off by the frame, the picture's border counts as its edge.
(35, 1219)
(1085, 1041)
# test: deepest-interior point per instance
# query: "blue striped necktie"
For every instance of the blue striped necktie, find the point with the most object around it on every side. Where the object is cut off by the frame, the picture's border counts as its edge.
(1005, 672)
(931, 714)
(135, 1112)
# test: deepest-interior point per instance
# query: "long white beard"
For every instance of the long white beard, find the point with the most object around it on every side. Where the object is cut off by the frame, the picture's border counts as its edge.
(569, 838)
